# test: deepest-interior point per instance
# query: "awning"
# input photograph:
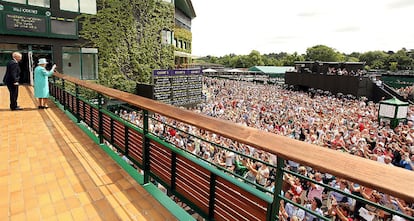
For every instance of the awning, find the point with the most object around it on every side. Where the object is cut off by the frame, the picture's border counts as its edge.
(235, 70)
(182, 54)
(209, 70)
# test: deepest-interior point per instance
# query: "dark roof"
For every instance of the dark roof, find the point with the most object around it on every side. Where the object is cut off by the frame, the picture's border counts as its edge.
(186, 7)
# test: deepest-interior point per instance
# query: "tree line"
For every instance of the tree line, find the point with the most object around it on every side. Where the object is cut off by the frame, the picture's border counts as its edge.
(378, 60)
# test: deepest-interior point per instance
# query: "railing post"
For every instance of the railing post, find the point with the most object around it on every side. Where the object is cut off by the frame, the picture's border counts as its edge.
(112, 130)
(84, 112)
(63, 94)
(212, 199)
(274, 211)
(100, 119)
(77, 103)
(173, 170)
(54, 87)
(91, 116)
(146, 150)
(126, 137)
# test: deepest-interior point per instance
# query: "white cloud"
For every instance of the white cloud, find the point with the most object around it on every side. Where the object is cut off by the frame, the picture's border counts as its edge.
(396, 4)
(239, 26)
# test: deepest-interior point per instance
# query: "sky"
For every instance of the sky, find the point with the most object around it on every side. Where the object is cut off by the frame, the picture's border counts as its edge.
(271, 26)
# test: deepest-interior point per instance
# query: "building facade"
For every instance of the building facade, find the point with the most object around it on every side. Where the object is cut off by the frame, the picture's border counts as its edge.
(182, 38)
(46, 29)
(50, 29)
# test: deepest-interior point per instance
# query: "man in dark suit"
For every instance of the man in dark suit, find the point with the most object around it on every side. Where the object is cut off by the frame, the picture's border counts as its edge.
(11, 79)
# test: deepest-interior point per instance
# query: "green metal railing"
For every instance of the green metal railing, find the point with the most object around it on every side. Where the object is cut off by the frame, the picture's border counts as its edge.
(211, 190)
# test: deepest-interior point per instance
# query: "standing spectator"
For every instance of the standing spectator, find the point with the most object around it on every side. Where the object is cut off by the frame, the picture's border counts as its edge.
(229, 159)
(291, 210)
(343, 212)
(341, 185)
(316, 190)
(11, 79)
(407, 162)
(262, 174)
(314, 205)
(41, 86)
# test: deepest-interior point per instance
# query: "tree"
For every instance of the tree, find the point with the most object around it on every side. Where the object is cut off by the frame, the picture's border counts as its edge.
(374, 59)
(127, 34)
(239, 61)
(351, 59)
(254, 59)
(393, 66)
(289, 59)
(322, 53)
(269, 61)
(402, 59)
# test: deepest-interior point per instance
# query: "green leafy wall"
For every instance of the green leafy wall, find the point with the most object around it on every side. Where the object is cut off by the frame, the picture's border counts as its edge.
(183, 35)
(127, 34)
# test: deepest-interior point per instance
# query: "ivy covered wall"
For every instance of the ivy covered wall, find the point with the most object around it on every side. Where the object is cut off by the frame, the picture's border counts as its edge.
(183, 35)
(127, 34)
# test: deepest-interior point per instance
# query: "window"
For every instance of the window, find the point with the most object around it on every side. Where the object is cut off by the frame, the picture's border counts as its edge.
(16, 1)
(5, 57)
(63, 27)
(88, 6)
(40, 3)
(82, 6)
(81, 63)
(69, 5)
(166, 37)
(89, 66)
(71, 62)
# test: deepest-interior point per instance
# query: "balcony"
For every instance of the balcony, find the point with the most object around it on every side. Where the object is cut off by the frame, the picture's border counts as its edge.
(52, 170)
(82, 137)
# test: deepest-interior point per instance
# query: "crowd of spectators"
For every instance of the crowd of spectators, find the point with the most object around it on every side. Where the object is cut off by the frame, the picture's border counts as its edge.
(407, 92)
(339, 123)
(344, 72)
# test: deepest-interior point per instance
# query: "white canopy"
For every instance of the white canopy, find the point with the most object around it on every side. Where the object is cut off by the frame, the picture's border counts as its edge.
(235, 70)
(209, 70)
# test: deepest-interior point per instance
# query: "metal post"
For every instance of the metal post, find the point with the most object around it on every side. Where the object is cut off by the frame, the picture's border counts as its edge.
(126, 137)
(77, 103)
(274, 210)
(112, 130)
(54, 88)
(63, 94)
(100, 118)
(212, 198)
(173, 170)
(146, 149)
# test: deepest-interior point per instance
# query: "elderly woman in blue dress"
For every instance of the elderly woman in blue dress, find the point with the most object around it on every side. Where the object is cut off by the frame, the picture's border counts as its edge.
(41, 86)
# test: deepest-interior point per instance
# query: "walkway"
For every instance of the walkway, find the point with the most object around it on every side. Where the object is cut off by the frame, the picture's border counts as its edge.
(51, 170)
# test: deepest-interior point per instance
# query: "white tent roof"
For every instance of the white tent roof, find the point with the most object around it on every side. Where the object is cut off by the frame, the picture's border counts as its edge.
(209, 70)
(235, 70)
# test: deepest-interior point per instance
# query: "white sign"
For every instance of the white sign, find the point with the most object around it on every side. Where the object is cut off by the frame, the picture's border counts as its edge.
(386, 110)
(402, 112)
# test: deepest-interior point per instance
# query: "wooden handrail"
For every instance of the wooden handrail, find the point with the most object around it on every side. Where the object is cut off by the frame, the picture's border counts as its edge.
(394, 181)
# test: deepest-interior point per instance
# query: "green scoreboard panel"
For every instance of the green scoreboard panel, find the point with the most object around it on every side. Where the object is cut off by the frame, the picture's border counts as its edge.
(34, 21)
